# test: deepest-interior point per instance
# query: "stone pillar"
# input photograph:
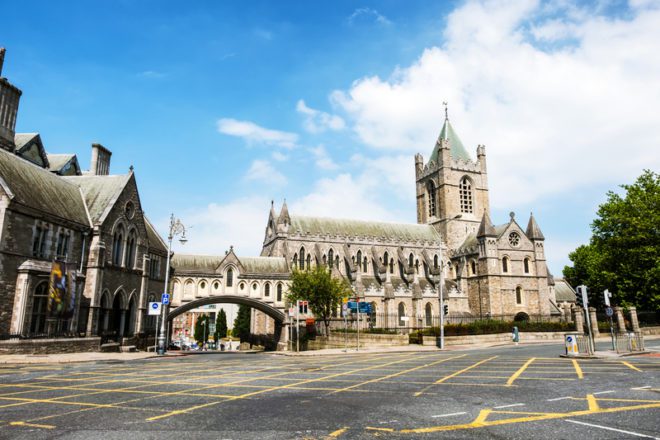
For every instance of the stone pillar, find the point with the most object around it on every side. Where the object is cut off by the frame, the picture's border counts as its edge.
(618, 311)
(578, 319)
(633, 319)
(567, 312)
(594, 322)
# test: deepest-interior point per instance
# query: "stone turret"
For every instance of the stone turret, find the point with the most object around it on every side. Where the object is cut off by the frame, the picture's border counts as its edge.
(9, 98)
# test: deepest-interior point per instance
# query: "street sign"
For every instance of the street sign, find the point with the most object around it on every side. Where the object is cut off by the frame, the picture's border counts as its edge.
(165, 298)
(363, 306)
(405, 318)
(607, 295)
(609, 311)
(154, 308)
(292, 312)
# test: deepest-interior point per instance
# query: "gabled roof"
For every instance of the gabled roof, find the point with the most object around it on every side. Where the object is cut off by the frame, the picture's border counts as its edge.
(59, 163)
(196, 263)
(208, 264)
(20, 139)
(456, 148)
(564, 291)
(23, 143)
(264, 265)
(359, 228)
(100, 192)
(35, 187)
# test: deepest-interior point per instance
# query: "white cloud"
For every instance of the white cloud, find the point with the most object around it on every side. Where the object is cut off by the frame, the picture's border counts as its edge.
(321, 158)
(278, 156)
(263, 171)
(317, 121)
(367, 14)
(555, 117)
(253, 133)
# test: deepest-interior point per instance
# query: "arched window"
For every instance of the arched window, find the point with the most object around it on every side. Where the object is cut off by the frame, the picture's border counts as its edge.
(428, 314)
(465, 195)
(526, 265)
(302, 258)
(435, 262)
(358, 259)
(279, 292)
(331, 257)
(391, 265)
(295, 260)
(267, 290)
(430, 190)
(364, 265)
(505, 265)
(417, 267)
(39, 309)
(386, 259)
(230, 277)
(337, 261)
(411, 260)
(473, 266)
(309, 261)
(402, 314)
(131, 245)
(519, 295)
(188, 289)
(118, 246)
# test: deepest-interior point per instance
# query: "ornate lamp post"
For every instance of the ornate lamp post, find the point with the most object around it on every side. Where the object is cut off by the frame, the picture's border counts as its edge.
(441, 289)
(176, 228)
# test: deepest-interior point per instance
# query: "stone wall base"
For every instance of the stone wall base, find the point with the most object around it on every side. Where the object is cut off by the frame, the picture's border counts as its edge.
(338, 340)
(50, 346)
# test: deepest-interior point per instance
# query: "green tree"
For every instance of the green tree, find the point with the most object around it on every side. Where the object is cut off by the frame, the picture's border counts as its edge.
(624, 253)
(242, 323)
(221, 325)
(202, 328)
(323, 292)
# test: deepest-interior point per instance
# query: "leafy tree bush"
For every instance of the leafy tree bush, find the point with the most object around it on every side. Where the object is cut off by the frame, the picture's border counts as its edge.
(202, 328)
(221, 325)
(242, 323)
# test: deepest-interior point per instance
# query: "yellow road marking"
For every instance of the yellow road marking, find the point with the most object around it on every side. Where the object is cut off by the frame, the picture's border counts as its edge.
(389, 376)
(338, 432)
(631, 366)
(593, 404)
(371, 428)
(31, 425)
(578, 370)
(439, 381)
(520, 371)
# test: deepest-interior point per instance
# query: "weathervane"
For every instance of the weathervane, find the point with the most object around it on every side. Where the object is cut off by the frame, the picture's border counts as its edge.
(446, 113)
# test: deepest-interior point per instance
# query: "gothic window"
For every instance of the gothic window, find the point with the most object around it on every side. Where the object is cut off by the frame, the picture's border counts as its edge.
(358, 260)
(39, 241)
(118, 246)
(302, 258)
(331, 257)
(505, 265)
(325, 259)
(154, 267)
(386, 259)
(63, 243)
(230, 276)
(519, 295)
(295, 260)
(131, 246)
(428, 313)
(473, 266)
(279, 292)
(430, 189)
(309, 261)
(417, 267)
(514, 239)
(254, 286)
(465, 195)
(435, 262)
(267, 290)
(526, 265)
(364, 265)
(402, 314)
(337, 261)
(391, 265)
(411, 260)
(39, 309)
(188, 289)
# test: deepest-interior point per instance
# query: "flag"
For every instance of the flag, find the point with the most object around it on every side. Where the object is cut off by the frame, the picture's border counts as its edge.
(57, 288)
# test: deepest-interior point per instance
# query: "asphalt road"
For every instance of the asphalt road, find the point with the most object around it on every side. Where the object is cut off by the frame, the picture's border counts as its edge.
(510, 393)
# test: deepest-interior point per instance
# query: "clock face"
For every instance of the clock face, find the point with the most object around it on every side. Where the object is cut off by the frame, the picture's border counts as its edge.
(129, 210)
(514, 239)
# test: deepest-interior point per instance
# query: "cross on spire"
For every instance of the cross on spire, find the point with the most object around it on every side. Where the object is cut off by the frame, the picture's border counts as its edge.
(446, 113)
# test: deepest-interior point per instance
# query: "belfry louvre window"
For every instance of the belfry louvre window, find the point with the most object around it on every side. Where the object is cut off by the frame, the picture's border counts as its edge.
(430, 189)
(465, 195)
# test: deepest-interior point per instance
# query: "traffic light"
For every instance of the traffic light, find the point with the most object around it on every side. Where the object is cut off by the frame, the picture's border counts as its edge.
(445, 308)
(581, 296)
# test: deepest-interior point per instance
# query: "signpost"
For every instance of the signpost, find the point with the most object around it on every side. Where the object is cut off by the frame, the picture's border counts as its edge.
(165, 298)
(344, 308)
(154, 309)
(582, 290)
(609, 312)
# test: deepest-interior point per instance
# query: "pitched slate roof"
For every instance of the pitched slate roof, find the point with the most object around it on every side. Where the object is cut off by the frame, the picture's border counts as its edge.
(471, 240)
(265, 265)
(564, 291)
(57, 161)
(38, 188)
(156, 242)
(100, 191)
(456, 148)
(196, 263)
(359, 228)
(21, 139)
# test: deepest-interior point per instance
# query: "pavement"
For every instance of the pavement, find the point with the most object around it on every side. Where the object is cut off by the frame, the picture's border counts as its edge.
(602, 347)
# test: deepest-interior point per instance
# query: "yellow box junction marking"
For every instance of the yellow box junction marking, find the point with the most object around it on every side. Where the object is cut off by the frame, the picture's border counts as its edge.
(338, 432)
(631, 366)
(439, 381)
(31, 425)
(520, 371)
(578, 370)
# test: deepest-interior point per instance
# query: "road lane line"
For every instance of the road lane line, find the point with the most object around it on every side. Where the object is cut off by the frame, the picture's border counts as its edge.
(449, 415)
(578, 370)
(559, 398)
(642, 388)
(439, 381)
(515, 375)
(603, 392)
(636, 434)
(338, 432)
(631, 366)
(509, 406)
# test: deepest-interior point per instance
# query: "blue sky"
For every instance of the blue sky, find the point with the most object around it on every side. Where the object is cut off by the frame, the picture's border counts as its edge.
(224, 106)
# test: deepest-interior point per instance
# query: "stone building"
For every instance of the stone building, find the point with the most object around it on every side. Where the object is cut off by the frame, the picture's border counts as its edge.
(88, 226)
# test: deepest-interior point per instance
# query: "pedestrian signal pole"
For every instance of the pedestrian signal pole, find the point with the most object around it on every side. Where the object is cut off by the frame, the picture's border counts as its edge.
(582, 291)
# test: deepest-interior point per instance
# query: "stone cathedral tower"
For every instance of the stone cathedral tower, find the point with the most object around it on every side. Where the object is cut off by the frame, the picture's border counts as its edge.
(452, 188)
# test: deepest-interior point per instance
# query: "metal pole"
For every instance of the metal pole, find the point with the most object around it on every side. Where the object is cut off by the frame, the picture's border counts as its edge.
(612, 333)
(592, 346)
(442, 305)
(345, 310)
(297, 326)
(161, 335)
(155, 338)
(358, 323)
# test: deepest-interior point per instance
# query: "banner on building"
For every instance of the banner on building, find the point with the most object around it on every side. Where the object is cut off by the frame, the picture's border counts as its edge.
(57, 289)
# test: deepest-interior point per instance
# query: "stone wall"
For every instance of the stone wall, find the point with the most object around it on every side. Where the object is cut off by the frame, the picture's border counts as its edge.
(338, 340)
(49, 346)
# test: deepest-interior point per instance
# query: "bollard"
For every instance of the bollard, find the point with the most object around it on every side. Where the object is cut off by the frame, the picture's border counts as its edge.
(515, 336)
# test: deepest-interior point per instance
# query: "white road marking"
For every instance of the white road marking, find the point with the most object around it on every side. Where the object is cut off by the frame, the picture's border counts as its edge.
(449, 415)
(603, 392)
(641, 388)
(637, 434)
(558, 398)
(509, 406)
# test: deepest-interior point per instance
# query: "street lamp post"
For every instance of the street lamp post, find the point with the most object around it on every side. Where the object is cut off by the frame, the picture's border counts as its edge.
(176, 228)
(441, 291)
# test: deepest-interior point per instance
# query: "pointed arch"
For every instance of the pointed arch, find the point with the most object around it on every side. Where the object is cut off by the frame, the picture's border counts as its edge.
(465, 195)
(301, 258)
(432, 197)
(331, 257)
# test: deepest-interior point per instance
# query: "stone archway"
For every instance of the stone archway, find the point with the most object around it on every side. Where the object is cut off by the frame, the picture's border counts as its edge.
(280, 318)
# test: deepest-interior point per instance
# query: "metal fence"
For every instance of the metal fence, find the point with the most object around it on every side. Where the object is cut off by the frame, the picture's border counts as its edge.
(648, 318)
(629, 342)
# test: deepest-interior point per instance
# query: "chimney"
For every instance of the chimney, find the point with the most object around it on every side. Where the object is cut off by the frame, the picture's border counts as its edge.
(9, 97)
(100, 165)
